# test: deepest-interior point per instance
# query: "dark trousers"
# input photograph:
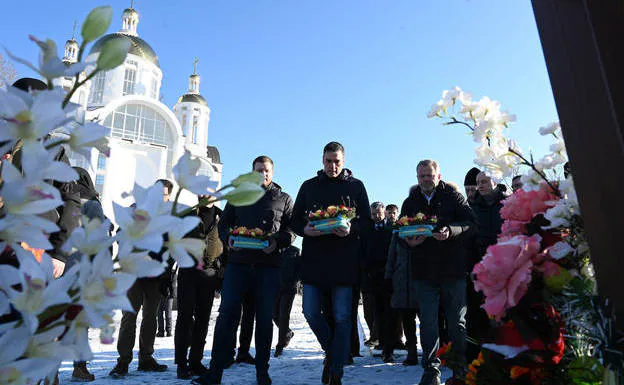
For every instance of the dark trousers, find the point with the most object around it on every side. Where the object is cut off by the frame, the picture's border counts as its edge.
(477, 320)
(451, 294)
(246, 323)
(196, 293)
(408, 318)
(368, 303)
(143, 294)
(281, 313)
(164, 314)
(262, 283)
(386, 317)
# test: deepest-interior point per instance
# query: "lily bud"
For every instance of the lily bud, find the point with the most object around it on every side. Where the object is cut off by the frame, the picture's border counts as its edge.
(251, 177)
(97, 23)
(245, 194)
(113, 54)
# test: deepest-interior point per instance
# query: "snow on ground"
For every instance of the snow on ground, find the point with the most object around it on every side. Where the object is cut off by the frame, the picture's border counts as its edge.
(301, 363)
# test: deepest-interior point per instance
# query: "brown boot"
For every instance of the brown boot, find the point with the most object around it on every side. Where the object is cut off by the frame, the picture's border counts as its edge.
(81, 373)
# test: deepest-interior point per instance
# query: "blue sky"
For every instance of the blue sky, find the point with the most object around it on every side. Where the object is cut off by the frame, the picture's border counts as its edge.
(283, 78)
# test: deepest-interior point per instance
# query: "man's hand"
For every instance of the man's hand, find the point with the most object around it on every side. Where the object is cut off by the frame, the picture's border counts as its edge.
(415, 241)
(310, 231)
(231, 245)
(443, 234)
(342, 231)
(271, 247)
(57, 268)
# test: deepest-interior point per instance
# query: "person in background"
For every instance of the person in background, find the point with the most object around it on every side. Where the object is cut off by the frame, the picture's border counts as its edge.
(470, 183)
(289, 278)
(165, 307)
(144, 294)
(392, 213)
(516, 183)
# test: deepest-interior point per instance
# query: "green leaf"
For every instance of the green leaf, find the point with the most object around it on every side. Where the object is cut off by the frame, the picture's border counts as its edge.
(97, 22)
(245, 194)
(113, 54)
(252, 177)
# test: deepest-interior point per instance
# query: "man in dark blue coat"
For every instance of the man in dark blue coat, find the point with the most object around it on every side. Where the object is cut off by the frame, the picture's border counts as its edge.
(330, 261)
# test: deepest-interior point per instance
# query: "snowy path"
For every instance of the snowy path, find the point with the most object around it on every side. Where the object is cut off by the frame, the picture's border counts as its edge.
(301, 363)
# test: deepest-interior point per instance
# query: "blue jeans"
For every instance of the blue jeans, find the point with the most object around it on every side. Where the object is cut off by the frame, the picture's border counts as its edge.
(452, 295)
(262, 283)
(337, 344)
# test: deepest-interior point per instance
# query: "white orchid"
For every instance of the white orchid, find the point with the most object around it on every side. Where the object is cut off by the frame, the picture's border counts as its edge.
(31, 229)
(569, 192)
(107, 332)
(142, 227)
(559, 215)
(30, 119)
(76, 337)
(91, 238)
(101, 288)
(39, 289)
(560, 249)
(140, 264)
(185, 250)
(46, 344)
(436, 110)
(40, 164)
(15, 370)
(185, 173)
(24, 196)
(532, 180)
(82, 138)
(551, 129)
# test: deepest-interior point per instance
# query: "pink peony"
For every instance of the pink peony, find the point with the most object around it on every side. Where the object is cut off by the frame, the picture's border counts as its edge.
(524, 205)
(504, 273)
(512, 228)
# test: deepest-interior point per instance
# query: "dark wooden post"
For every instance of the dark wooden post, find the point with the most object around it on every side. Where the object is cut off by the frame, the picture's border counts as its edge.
(583, 43)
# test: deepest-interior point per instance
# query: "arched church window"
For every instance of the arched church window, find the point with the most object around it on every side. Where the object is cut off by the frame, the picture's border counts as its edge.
(195, 128)
(184, 125)
(97, 91)
(130, 78)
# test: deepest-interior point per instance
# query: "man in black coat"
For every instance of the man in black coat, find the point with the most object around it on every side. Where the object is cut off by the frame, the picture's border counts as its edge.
(330, 261)
(254, 272)
(196, 292)
(376, 246)
(289, 277)
(439, 263)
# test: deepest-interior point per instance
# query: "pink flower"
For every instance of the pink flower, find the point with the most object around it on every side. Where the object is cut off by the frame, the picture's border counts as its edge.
(512, 228)
(504, 273)
(524, 205)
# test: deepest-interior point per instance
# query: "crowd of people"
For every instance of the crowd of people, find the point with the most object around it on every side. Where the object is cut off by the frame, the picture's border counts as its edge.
(397, 279)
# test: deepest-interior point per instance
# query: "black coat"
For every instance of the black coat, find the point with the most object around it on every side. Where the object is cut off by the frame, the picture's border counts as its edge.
(329, 260)
(489, 223)
(207, 231)
(272, 213)
(290, 269)
(435, 260)
(376, 245)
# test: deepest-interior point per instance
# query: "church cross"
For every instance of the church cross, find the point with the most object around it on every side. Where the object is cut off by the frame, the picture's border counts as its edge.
(195, 65)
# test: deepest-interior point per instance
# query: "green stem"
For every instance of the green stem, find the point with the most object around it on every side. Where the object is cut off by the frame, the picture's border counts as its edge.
(202, 202)
(175, 202)
(455, 121)
(540, 173)
(52, 145)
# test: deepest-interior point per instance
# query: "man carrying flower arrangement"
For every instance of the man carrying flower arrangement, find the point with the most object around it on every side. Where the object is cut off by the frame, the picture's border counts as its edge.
(438, 263)
(330, 255)
(251, 270)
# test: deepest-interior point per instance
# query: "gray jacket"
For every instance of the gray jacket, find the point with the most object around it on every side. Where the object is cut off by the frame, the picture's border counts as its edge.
(398, 269)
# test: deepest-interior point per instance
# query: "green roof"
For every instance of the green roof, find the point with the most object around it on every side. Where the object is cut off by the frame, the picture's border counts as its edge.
(138, 47)
(192, 98)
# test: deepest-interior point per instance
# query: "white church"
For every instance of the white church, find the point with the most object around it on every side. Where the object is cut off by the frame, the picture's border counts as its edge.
(146, 136)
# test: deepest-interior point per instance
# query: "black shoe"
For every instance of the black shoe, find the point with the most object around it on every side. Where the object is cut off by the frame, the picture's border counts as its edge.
(289, 337)
(168, 334)
(379, 346)
(325, 375)
(229, 363)
(245, 358)
(430, 377)
(410, 361)
(400, 346)
(371, 342)
(335, 380)
(263, 379)
(150, 365)
(207, 378)
(387, 358)
(119, 370)
(279, 349)
(184, 372)
(160, 334)
(197, 368)
(349, 360)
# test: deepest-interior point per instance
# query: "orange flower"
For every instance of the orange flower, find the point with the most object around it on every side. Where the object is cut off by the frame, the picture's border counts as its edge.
(518, 371)
(38, 253)
(444, 349)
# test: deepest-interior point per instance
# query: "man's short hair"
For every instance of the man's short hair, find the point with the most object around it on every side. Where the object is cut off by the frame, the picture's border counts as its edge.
(516, 177)
(377, 205)
(333, 147)
(392, 207)
(261, 159)
(167, 183)
(428, 162)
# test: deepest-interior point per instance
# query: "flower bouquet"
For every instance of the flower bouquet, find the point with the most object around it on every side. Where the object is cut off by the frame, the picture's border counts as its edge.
(245, 238)
(333, 217)
(420, 225)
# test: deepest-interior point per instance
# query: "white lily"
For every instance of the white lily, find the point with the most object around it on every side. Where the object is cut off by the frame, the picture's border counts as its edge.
(185, 173)
(15, 370)
(82, 138)
(187, 251)
(140, 264)
(31, 229)
(101, 288)
(27, 121)
(142, 227)
(39, 289)
(40, 164)
(24, 196)
(91, 238)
